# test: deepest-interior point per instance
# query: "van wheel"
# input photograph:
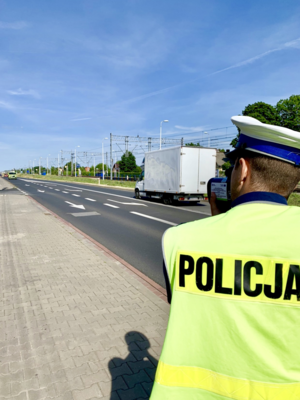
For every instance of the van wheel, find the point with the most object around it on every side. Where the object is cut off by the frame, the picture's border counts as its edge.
(137, 194)
(167, 200)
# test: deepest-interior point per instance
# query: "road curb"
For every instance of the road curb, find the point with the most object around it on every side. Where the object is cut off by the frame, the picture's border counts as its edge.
(145, 280)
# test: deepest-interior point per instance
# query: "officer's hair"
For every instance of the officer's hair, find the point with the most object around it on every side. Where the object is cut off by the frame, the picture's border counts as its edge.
(270, 174)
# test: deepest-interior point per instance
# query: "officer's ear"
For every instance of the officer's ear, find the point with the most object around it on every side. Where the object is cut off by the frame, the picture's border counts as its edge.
(242, 166)
(245, 170)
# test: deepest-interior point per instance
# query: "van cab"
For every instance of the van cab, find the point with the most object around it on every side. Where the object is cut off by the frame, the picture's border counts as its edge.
(12, 175)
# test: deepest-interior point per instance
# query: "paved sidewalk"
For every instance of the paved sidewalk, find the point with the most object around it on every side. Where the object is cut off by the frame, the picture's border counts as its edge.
(75, 323)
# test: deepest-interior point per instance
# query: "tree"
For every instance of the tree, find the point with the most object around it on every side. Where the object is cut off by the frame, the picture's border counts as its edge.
(289, 112)
(128, 164)
(285, 113)
(68, 165)
(226, 165)
(264, 112)
(193, 144)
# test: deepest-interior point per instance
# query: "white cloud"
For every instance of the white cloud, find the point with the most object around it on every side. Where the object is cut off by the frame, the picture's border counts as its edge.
(13, 25)
(294, 43)
(80, 119)
(191, 128)
(246, 62)
(21, 92)
(6, 105)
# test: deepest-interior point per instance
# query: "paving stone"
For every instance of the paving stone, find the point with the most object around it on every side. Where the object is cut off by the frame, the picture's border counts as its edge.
(101, 376)
(87, 394)
(139, 377)
(21, 396)
(133, 394)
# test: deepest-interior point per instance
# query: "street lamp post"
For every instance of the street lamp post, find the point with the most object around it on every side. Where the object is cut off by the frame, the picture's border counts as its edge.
(47, 164)
(103, 159)
(75, 161)
(40, 165)
(208, 139)
(160, 132)
(94, 166)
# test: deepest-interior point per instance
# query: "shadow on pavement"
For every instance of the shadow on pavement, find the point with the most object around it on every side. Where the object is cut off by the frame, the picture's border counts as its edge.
(132, 377)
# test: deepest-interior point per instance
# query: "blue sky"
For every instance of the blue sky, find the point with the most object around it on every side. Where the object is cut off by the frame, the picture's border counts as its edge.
(74, 71)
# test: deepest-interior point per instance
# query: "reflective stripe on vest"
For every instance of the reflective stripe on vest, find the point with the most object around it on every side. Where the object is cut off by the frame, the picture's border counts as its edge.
(233, 388)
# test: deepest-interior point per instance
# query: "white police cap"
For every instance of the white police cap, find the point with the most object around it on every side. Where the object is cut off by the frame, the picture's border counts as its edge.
(270, 140)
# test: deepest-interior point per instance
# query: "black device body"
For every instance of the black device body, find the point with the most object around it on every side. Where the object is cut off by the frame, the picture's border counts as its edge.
(221, 186)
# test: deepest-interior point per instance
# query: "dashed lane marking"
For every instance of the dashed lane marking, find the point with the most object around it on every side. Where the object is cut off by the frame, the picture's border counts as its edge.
(90, 199)
(57, 190)
(129, 204)
(65, 192)
(155, 219)
(111, 205)
(85, 214)
(76, 195)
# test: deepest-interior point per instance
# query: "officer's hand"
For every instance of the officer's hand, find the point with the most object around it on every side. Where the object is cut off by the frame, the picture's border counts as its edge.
(213, 204)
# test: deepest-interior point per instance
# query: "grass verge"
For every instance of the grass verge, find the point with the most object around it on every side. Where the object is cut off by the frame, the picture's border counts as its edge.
(294, 200)
(91, 181)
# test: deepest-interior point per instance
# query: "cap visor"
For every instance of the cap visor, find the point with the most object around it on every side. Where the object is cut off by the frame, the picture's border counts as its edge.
(232, 155)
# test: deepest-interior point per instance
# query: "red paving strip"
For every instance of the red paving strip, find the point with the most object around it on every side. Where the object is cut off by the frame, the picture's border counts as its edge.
(145, 280)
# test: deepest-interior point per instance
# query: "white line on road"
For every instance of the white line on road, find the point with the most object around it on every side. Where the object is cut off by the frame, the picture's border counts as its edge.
(50, 187)
(65, 192)
(129, 204)
(76, 195)
(75, 205)
(155, 219)
(90, 199)
(27, 185)
(110, 205)
(85, 214)
(42, 191)
(57, 190)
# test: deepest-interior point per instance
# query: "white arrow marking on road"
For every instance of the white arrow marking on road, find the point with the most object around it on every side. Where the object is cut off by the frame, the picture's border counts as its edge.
(90, 199)
(110, 205)
(129, 204)
(75, 205)
(42, 191)
(155, 219)
(76, 195)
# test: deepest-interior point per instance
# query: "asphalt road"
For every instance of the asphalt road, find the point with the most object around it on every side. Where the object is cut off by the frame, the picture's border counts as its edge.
(129, 227)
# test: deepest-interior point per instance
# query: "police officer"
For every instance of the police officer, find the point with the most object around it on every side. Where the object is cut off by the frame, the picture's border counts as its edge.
(234, 282)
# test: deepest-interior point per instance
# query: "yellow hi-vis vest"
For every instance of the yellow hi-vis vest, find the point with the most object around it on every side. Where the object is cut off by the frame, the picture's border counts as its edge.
(234, 325)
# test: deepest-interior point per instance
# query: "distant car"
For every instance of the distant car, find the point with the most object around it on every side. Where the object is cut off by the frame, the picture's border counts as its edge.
(12, 175)
(5, 175)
